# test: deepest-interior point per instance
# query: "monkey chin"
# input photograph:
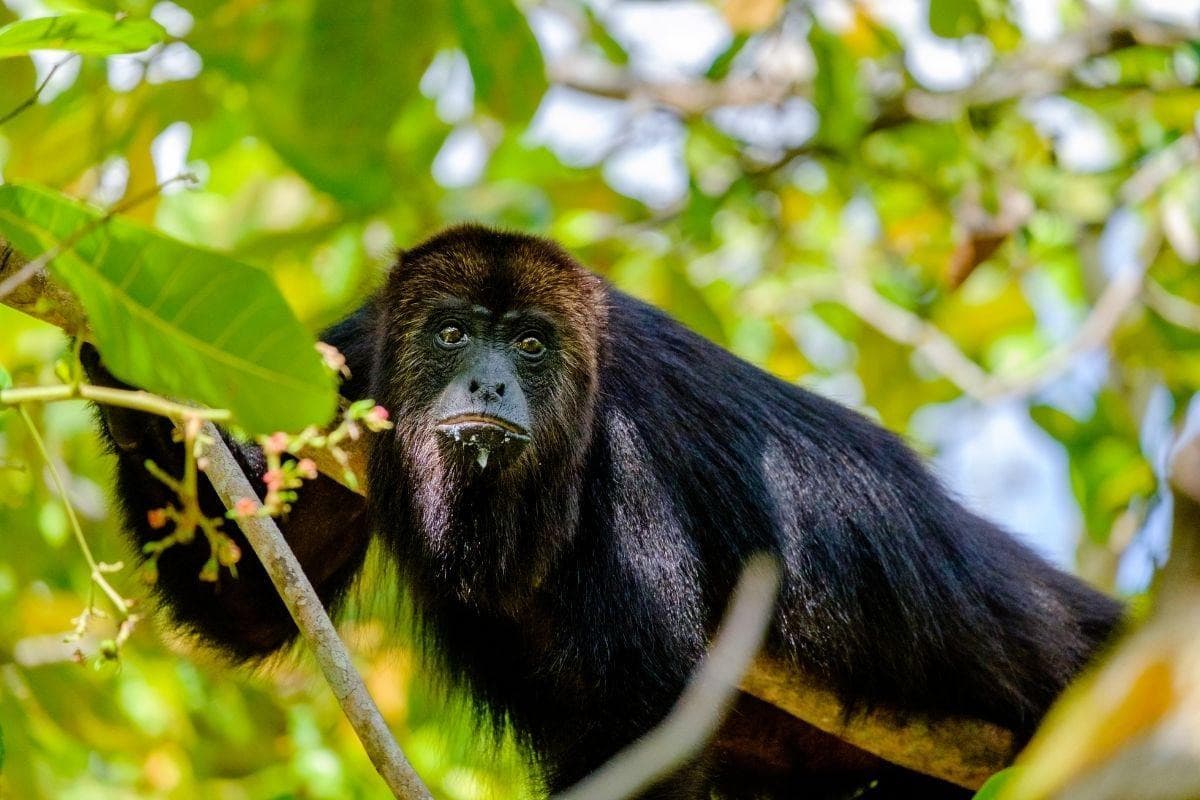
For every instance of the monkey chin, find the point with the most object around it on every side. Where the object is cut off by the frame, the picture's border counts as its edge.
(482, 443)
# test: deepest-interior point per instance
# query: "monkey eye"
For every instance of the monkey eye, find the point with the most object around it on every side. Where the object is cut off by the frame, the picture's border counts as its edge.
(531, 347)
(452, 336)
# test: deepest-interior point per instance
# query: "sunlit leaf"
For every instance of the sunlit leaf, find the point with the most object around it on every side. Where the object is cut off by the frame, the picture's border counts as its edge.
(88, 32)
(748, 16)
(991, 790)
(954, 18)
(837, 90)
(613, 50)
(330, 100)
(175, 319)
(720, 65)
(506, 62)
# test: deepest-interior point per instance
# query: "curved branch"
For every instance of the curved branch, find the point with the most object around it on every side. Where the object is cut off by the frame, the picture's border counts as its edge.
(959, 750)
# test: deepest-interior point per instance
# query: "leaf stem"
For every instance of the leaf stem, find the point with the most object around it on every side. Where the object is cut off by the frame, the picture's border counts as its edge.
(97, 575)
(124, 398)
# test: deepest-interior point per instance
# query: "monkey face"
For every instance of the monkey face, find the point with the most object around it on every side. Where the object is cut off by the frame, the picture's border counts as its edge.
(483, 413)
(489, 355)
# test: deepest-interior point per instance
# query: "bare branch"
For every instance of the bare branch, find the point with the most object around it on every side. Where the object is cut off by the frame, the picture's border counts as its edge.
(854, 290)
(703, 703)
(688, 98)
(1034, 71)
(905, 327)
(1171, 307)
(36, 295)
(37, 92)
(962, 751)
(1041, 69)
(305, 607)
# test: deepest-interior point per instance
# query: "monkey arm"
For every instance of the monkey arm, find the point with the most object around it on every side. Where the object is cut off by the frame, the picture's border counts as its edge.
(327, 529)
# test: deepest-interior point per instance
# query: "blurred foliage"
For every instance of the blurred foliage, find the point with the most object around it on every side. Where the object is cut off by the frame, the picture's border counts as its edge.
(817, 191)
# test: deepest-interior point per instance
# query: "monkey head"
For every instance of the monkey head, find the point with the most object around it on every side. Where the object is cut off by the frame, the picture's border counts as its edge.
(487, 357)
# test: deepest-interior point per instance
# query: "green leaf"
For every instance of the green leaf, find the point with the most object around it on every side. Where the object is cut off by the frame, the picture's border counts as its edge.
(994, 785)
(328, 100)
(837, 90)
(720, 65)
(506, 62)
(951, 19)
(175, 319)
(89, 32)
(613, 50)
(5, 378)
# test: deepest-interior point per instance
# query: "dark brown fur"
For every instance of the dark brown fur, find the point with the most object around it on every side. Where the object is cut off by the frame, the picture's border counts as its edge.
(519, 517)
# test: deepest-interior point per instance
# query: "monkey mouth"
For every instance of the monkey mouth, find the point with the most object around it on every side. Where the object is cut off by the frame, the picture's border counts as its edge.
(482, 439)
(477, 423)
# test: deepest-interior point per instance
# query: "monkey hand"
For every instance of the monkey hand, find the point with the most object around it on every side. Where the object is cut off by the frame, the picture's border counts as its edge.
(128, 430)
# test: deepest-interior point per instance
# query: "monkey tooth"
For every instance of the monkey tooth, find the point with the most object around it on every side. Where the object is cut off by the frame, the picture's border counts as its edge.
(481, 458)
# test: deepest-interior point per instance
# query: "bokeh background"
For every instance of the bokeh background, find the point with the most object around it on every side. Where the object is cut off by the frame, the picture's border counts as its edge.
(977, 221)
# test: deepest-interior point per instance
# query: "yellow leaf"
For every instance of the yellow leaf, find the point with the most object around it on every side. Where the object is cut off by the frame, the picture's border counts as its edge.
(749, 16)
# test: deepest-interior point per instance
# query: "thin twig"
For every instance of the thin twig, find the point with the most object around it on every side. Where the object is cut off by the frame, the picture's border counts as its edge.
(1172, 307)
(315, 626)
(902, 326)
(41, 87)
(97, 575)
(135, 400)
(38, 264)
(703, 703)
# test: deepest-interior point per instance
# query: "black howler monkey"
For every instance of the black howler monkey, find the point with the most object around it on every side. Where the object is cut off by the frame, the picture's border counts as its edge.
(572, 484)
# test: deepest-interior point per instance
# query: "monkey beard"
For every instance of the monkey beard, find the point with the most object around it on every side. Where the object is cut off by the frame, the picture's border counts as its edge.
(486, 538)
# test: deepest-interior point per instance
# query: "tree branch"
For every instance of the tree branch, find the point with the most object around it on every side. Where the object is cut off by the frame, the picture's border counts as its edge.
(959, 750)
(1034, 71)
(306, 609)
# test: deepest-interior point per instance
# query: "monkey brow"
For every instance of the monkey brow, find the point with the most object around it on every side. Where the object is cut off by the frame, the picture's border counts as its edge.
(448, 302)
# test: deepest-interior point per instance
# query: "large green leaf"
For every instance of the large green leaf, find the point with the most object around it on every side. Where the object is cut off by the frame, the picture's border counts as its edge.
(175, 319)
(506, 62)
(329, 100)
(90, 32)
